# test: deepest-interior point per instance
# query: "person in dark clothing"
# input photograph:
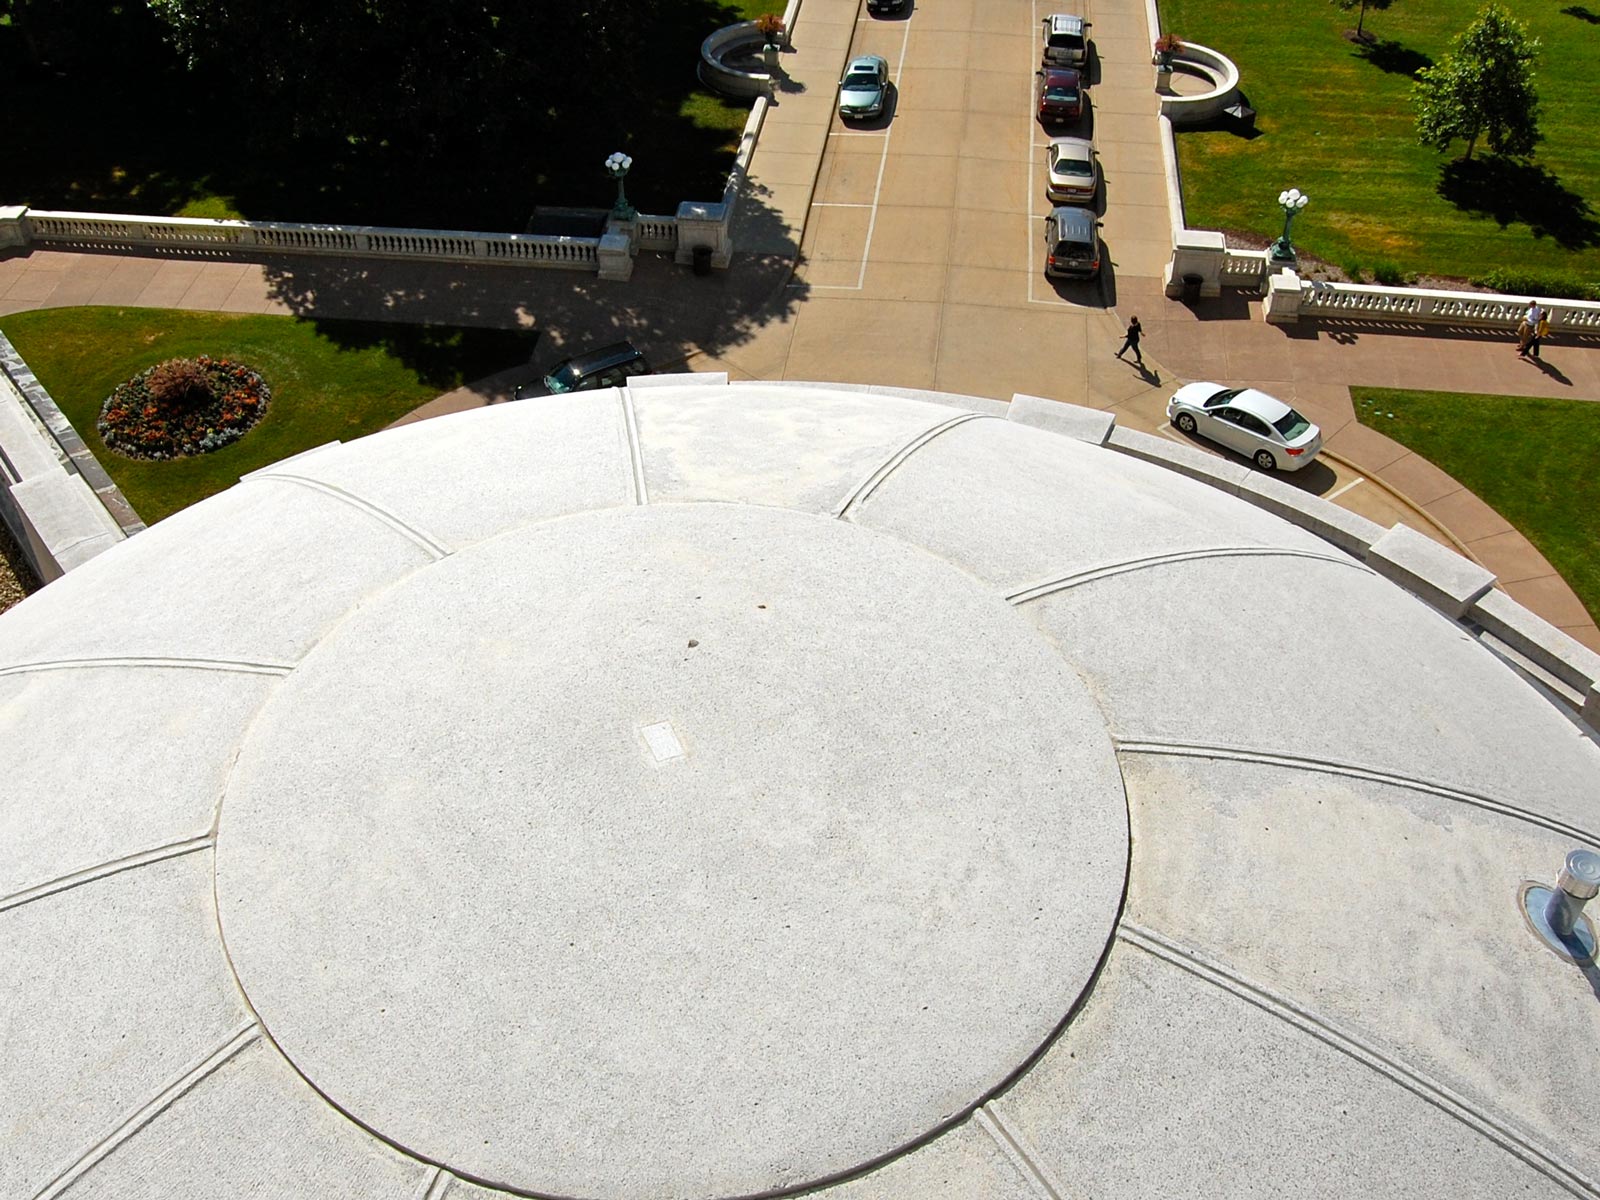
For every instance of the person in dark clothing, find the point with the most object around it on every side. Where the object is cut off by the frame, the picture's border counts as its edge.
(1131, 341)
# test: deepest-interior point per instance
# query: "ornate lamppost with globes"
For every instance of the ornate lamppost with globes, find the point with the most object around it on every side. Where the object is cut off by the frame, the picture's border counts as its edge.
(617, 166)
(1291, 201)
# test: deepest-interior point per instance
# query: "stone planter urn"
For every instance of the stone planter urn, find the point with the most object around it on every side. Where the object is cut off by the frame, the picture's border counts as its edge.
(1164, 78)
(769, 54)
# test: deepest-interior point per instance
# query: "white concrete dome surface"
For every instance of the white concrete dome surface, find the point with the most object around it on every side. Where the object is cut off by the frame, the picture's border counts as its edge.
(704, 791)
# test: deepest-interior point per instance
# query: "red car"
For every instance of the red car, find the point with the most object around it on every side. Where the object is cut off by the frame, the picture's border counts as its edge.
(1060, 95)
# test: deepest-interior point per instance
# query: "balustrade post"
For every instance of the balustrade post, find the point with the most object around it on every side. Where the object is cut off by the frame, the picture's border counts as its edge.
(15, 228)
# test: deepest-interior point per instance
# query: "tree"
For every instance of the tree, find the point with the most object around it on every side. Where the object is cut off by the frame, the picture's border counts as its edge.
(1483, 87)
(1377, 5)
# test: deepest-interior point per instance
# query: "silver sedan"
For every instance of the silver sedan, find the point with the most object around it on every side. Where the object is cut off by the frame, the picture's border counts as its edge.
(1263, 429)
(1073, 173)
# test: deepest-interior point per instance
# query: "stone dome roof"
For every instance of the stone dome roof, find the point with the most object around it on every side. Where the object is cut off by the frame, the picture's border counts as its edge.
(703, 791)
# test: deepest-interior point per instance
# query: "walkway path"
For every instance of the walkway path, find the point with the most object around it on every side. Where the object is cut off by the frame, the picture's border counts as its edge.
(918, 266)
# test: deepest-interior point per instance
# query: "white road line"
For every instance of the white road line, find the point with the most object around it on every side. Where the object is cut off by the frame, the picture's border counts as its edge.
(877, 189)
(1341, 491)
(836, 204)
(1166, 431)
(856, 133)
(1033, 148)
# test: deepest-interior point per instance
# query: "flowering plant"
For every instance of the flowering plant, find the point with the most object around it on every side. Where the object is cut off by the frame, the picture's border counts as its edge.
(182, 407)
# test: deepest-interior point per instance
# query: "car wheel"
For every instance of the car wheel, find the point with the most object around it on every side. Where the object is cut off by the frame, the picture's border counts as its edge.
(1265, 461)
(1185, 422)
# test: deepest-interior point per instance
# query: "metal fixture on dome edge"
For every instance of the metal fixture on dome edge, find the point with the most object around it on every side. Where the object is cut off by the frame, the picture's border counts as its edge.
(1555, 914)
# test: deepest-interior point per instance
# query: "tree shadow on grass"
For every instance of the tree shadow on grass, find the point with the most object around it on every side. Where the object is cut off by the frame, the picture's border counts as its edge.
(1393, 57)
(1582, 13)
(1512, 192)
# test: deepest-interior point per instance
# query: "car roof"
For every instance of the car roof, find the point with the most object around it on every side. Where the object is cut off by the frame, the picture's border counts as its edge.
(1062, 75)
(1065, 23)
(605, 356)
(1268, 408)
(1072, 147)
(1073, 222)
(866, 62)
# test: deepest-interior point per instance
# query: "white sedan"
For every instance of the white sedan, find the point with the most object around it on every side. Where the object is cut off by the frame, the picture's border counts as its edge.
(1263, 429)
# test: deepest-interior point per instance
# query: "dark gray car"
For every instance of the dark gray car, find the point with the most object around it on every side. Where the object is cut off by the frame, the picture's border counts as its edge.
(1071, 244)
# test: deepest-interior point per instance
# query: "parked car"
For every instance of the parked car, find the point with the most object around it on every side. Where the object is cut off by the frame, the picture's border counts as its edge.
(1071, 244)
(886, 6)
(1066, 40)
(865, 87)
(1264, 429)
(1072, 175)
(1058, 94)
(609, 366)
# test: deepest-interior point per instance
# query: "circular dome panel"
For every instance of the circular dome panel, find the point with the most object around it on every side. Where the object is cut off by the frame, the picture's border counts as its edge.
(687, 850)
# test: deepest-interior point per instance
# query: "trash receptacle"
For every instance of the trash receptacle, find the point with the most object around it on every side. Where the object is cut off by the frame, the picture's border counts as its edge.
(1191, 288)
(702, 260)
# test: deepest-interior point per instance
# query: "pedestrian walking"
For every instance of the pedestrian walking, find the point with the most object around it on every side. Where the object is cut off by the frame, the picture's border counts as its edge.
(1524, 337)
(1541, 330)
(1131, 341)
(1534, 313)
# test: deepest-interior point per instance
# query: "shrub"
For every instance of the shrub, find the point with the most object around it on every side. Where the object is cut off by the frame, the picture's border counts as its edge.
(1352, 271)
(1168, 43)
(179, 381)
(1389, 274)
(1556, 285)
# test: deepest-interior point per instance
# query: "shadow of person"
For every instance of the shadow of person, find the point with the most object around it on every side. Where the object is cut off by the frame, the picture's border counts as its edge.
(1148, 373)
(1551, 370)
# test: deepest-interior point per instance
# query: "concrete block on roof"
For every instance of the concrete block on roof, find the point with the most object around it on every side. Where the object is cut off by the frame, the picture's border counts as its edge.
(67, 516)
(1092, 425)
(680, 379)
(1186, 460)
(1535, 638)
(1591, 708)
(1442, 577)
(1345, 529)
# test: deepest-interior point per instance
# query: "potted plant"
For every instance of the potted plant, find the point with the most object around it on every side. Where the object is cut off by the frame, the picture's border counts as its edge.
(770, 26)
(1166, 46)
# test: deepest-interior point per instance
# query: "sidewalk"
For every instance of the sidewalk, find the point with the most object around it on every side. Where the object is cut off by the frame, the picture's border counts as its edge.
(948, 295)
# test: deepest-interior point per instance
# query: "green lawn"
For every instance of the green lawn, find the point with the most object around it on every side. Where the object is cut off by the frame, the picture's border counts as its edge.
(330, 380)
(1336, 121)
(1531, 460)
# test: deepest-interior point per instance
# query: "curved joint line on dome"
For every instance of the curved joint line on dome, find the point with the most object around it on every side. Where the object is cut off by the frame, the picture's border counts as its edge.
(867, 486)
(630, 425)
(238, 666)
(169, 1095)
(1091, 574)
(1442, 1097)
(428, 544)
(1330, 766)
(115, 866)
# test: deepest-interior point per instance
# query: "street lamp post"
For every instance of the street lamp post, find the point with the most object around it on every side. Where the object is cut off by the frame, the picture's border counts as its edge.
(1291, 201)
(617, 167)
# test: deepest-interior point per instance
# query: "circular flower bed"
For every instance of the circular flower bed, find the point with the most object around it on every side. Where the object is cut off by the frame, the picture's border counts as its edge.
(182, 407)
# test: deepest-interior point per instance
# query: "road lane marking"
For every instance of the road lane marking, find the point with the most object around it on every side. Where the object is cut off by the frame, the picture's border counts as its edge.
(1335, 495)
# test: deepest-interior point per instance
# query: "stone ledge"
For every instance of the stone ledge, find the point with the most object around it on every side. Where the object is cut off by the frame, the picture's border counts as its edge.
(1591, 708)
(1441, 577)
(1092, 425)
(1196, 464)
(679, 379)
(1345, 529)
(68, 520)
(1530, 635)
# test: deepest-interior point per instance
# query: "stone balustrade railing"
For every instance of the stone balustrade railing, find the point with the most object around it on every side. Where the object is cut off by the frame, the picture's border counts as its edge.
(117, 231)
(1289, 298)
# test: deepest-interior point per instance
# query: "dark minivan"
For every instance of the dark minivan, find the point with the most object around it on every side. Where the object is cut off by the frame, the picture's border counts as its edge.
(1071, 244)
(609, 366)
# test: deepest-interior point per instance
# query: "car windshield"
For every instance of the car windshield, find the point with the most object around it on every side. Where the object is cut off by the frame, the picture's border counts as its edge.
(1066, 41)
(1072, 166)
(563, 379)
(1291, 425)
(1057, 91)
(860, 82)
(1223, 397)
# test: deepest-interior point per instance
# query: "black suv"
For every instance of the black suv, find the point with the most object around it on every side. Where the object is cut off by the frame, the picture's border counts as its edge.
(886, 6)
(609, 366)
